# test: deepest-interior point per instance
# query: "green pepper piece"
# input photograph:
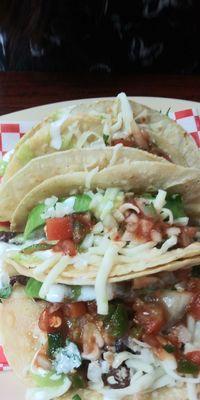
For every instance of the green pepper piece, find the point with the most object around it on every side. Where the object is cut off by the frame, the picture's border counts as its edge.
(136, 332)
(76, 397)
(55, 341)
(34, 220)
(5, 292)
(187, 367)
(117, 320)
(77, 381)
(37, 247)
(169, 348)
(82, 203)
(149, 196)
(32, 288)
(105, 138)
(75, 292)
(174, 203)
(3, 166)
(196, 271)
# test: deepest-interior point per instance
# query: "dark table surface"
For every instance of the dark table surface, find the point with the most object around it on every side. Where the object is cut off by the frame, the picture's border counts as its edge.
(19, 90)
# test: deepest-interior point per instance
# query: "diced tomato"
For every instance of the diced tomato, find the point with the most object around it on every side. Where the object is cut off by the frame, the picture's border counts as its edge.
(5, 224)
(128, 142)
(193, 285)
(144, 228)
(194, 307)
(51, 319)
(84, 219)
(66, 246)
(152, 340)
(182, 274)
(82, 225)
(74, 310)
(59, 228)
(150, 316)
(186, 237)
(92, 307)
(193, 356)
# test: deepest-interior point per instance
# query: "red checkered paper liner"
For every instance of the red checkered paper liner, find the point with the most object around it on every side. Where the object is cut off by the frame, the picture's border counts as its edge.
(10, 133)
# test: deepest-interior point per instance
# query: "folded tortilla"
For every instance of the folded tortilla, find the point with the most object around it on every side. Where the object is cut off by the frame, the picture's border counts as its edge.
(138, 177)
(95, 123)
(19, 320)
(44, 167)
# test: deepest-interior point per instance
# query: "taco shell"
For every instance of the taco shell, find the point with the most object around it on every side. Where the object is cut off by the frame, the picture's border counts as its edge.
(19, 319)
(76, 121)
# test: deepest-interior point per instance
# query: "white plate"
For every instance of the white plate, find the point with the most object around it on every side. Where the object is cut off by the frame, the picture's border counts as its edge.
(10, 387)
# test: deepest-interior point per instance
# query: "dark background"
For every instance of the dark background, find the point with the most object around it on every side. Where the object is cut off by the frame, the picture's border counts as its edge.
(100, 36)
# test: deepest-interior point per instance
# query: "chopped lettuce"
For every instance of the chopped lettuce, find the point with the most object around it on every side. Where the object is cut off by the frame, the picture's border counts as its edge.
(75, 292)
(48, 379)
(34, 220)
(3, 166)
(25, 259)
(174, 203)
(24, 153)
(82, 203)
(32, 288)
(5, 291)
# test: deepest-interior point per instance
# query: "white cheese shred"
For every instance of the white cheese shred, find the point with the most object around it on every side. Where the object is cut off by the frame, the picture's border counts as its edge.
(129, 123)
(101, 279)
(53, 274)
(160, 201)
(191, 391)
(47, 264)
(89, 176)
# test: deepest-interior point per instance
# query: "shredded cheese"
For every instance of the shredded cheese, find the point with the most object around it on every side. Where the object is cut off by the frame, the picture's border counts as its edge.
(169, 243)
(192, 392)
(166, 213)
(101, 279)
(160, 201)
(53, 274)
(89, 176)
(116, 149)
(84, 137)
(129, 123)
(55, 132)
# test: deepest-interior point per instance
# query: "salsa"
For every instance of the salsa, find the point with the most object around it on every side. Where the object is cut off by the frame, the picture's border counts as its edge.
(141, 313)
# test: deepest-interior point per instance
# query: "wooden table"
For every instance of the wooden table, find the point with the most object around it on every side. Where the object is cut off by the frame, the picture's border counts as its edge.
(19, 90)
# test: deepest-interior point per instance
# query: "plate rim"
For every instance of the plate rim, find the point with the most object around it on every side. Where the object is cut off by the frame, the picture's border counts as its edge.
(139, 99)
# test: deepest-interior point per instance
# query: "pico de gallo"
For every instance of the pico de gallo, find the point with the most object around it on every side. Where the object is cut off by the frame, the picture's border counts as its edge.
(149, 339)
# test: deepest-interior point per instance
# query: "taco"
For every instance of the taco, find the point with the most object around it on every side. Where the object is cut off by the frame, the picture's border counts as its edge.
(143, 214)
(106, 123)
(146, 347)
(38, 169)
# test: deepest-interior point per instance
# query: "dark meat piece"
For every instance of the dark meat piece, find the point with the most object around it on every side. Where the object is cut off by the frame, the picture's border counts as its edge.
(6, 236)
(120, 346)
(21, 279)
(118, 378)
